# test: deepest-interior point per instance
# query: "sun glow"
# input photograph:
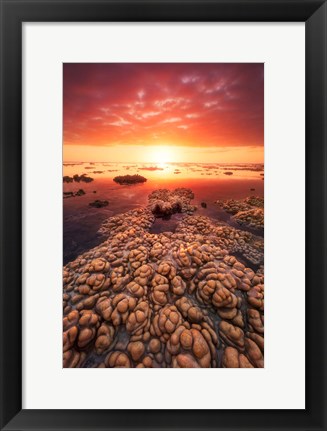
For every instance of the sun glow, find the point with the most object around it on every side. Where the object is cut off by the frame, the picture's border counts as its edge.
(161, 154)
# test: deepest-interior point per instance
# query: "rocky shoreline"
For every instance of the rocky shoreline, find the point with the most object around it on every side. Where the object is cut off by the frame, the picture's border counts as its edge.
(175, 299)
(248, 211)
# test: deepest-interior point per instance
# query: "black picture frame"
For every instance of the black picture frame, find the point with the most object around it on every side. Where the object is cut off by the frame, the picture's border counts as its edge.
(13, 14)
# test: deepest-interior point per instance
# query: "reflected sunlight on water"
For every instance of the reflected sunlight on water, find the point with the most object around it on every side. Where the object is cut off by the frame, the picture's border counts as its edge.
(207, 181)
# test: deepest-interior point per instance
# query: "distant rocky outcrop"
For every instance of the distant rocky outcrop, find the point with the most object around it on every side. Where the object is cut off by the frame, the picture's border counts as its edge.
(99, 204)
(151, 168)
(129, 179)
(77, 178)
(79, 192)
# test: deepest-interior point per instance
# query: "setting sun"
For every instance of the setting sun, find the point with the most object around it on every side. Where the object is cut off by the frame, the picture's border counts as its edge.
(161, 154)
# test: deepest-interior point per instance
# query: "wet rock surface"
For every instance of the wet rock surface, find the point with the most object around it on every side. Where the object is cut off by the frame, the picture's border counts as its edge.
(99, 203)
(129, 179)
(77, 178)
(79, 192)
(164, 203)
(248, 212)
(174, 299)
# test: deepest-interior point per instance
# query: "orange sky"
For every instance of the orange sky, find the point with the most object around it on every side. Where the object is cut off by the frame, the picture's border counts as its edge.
(150, 112)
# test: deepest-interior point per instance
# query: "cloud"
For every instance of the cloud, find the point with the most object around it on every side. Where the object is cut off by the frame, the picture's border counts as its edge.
(193, 115)
(171, 120)
(150, 114)
(211, 103)
(105, 110)
(118, 123)
(221, 103)
(189, 79)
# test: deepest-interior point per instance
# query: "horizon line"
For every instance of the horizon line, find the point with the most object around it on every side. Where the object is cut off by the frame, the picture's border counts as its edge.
(168, 163)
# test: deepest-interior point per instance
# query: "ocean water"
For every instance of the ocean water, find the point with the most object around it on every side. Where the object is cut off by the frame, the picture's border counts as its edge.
(207, 181)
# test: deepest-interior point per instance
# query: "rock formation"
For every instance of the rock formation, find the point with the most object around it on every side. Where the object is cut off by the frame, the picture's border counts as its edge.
(175, 299)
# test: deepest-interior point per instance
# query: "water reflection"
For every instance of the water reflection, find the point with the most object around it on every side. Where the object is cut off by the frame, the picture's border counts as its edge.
(208, 182)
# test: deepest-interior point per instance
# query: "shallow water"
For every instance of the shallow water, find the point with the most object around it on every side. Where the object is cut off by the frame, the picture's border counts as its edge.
(208, 182)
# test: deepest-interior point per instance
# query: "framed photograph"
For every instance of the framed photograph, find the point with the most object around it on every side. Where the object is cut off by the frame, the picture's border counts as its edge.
(163, 211)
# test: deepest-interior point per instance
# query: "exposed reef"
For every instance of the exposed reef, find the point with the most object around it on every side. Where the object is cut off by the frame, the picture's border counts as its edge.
(129, 179)
(79, 192)
(164, 203)
(177, 300)
(248, 212)
(71, 164)
(254, 168)
(151, 168)
(77, 178)
(98, 204)
(253, 218)
(233, 240)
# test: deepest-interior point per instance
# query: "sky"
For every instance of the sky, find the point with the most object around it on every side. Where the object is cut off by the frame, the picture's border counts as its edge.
(162, 112)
